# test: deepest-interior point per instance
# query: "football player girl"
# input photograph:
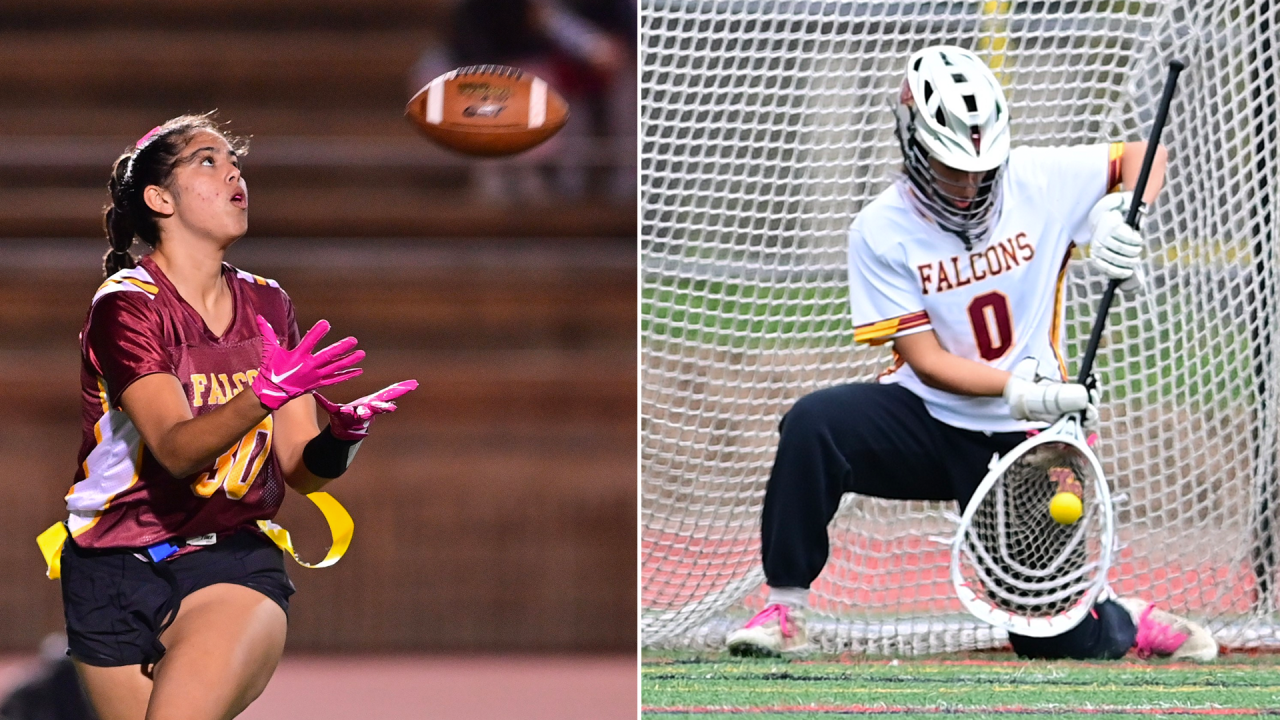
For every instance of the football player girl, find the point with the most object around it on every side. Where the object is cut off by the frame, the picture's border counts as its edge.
(960, 264)
(199, 407)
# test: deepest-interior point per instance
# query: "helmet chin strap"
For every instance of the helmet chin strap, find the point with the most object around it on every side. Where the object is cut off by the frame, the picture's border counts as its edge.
(912, 195)
(969, 224)
(968, 238)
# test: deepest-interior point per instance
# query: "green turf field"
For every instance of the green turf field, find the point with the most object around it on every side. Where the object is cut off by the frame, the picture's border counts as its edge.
(686, 685)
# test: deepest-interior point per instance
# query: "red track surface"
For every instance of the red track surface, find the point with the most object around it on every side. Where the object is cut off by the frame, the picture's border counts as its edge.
(466, 688)
(559, 687)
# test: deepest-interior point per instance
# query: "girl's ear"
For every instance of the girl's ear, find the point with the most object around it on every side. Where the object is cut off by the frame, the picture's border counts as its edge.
(158, 199)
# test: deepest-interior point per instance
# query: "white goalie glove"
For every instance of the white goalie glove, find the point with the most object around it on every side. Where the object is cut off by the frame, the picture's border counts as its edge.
(1041, 399)
(1115, 249)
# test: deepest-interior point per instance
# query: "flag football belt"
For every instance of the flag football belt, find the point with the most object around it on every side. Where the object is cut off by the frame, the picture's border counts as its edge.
(340, 523)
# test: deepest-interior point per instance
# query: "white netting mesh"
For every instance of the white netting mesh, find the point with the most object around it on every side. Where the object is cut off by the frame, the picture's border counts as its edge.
(765, 127)
(1021, 568)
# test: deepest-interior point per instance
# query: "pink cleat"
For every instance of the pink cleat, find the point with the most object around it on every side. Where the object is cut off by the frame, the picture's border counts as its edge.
(1163, 634)
(774, 631)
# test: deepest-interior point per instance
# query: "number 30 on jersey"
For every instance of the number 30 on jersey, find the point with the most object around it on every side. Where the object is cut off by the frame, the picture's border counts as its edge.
(235, 469)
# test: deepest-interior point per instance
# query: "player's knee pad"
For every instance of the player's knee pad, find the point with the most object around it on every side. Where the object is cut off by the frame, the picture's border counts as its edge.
(1118, 631)
(1105, 634)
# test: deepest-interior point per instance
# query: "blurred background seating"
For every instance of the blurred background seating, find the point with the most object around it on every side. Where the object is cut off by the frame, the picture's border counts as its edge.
(321, 86)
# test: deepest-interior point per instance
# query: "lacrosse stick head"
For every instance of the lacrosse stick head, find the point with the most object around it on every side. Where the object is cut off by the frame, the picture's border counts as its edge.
(1012, 564)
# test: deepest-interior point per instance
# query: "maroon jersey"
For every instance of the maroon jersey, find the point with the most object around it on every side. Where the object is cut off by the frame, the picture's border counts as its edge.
(138, 325)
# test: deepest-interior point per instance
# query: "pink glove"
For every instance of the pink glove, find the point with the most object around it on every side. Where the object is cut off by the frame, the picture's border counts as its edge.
(286, 374)
(351, 421)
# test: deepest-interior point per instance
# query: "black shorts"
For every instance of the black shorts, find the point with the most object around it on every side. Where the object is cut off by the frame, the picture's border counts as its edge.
(115, 602)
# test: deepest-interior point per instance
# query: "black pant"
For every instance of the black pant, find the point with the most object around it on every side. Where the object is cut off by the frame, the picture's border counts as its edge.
(879, 440)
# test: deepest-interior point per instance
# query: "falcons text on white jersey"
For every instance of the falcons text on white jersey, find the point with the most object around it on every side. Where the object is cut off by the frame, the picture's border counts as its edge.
(996, 303)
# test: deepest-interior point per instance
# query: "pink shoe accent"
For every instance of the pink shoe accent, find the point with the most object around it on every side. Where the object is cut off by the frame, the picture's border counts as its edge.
(1155, 637)
(777, 612)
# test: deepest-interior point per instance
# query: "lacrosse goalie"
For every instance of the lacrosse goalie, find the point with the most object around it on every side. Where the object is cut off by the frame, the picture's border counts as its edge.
(961, 264)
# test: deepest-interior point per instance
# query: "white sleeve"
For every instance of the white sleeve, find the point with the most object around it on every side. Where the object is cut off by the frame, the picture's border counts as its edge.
(1074, 178)
(884, 297)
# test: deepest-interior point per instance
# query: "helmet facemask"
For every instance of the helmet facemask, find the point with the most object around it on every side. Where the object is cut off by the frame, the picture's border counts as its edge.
(968, 218)
(953, 130)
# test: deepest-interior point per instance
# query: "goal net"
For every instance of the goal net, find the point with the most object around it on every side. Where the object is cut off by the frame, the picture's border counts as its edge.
(766, 127)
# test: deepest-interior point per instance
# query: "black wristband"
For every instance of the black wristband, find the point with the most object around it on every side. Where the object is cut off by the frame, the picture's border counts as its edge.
(328, 457)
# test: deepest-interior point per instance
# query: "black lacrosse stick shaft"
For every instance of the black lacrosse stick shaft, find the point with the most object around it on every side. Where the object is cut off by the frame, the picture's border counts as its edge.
(1135, 208)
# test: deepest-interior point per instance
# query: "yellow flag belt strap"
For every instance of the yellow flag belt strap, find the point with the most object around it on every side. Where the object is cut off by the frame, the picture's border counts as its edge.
(341, 527)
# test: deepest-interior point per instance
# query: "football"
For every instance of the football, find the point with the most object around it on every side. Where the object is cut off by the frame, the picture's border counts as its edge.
(488, 110)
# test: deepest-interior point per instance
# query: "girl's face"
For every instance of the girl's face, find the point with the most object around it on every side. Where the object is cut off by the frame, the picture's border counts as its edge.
(207, 196)
(958, 186)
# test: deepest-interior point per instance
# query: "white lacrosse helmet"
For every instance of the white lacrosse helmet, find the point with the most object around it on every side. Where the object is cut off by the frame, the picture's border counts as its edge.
(952, 108)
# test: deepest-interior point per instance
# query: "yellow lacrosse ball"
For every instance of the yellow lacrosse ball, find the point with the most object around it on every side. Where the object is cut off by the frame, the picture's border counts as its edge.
(1066, 508)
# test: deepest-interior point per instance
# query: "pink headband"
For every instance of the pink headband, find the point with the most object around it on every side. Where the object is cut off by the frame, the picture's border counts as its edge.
(128, 170)
(143, 140)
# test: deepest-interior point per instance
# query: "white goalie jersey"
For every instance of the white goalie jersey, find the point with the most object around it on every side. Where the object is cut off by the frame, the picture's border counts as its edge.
(997, 303)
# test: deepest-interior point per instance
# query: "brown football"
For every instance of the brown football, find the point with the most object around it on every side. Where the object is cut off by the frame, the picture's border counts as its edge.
(488, 110)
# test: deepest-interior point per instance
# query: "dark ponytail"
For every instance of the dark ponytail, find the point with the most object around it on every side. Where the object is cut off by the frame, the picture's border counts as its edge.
(150, 162)
(116, 222)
